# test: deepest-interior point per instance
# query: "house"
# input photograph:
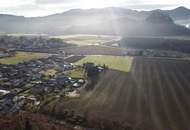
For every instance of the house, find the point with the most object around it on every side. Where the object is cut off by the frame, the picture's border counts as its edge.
(76, 85)
(37, 76)
(68, 67)
(62, 80)
(31, 100)
(6, 105)
(81, 81)
(4, 92)
(37, 90)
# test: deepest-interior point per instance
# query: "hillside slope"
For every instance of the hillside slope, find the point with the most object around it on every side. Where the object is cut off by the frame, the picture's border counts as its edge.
(30, 121)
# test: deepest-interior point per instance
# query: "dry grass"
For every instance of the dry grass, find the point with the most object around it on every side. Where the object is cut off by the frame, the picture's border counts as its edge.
(21, 57)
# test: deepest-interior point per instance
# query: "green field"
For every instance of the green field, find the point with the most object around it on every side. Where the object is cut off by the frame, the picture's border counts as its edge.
(21, 57)
(121, 63)
(83, 40)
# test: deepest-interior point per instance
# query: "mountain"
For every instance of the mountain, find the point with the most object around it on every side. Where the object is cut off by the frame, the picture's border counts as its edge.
(180, 13)
(159, 18)
(162, 24)
(117, 21)
(63, 22)
(153, 23)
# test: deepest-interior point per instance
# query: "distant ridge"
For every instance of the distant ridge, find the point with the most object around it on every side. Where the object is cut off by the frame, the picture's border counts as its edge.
(160, 18)
(179, 13)
(117, 21)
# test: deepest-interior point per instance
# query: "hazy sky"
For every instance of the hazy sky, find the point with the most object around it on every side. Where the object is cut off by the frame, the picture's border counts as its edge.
(45, 7)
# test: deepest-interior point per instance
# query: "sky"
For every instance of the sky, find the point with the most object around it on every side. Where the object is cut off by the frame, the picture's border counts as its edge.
(33, 8)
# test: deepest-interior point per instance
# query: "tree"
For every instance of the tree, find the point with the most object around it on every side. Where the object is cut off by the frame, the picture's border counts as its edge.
(92, 71)
(28, 126)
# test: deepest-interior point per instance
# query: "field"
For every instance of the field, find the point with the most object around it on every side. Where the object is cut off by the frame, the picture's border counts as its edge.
(95, 50)
(73, 59)
(82, 40)
(153, 96)
(121, 63)
(21, 57)
(77, 73)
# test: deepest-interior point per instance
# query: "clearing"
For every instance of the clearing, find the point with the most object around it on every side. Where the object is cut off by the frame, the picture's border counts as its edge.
(121, 63)
(21, 57)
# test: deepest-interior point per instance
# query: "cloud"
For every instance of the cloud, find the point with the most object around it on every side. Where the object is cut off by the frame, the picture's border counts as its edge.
(54, 1)
(150, 6)
(33, 10)
(14, 3)
(45, 7)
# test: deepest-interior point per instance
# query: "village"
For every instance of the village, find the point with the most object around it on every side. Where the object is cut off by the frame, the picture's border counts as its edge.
(32, 73)
(27, 85)
(29, 43)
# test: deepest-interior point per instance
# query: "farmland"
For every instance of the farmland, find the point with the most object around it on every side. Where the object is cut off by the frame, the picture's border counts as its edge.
(73, 59)
(125, 62)
(21, 57)
(82, 40)
(154, 95)
(94, 50)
